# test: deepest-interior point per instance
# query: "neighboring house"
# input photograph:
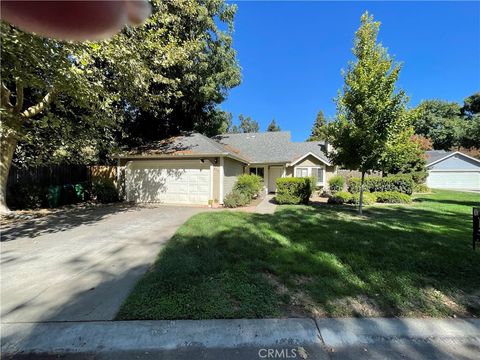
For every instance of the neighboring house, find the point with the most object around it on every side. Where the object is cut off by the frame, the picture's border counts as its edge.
(193, 169)
(452, 170)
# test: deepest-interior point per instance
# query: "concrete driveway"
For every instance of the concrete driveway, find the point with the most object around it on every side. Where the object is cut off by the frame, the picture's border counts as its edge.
(80, 265)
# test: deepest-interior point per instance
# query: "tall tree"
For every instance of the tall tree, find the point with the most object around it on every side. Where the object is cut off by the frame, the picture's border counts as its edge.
(471, 112)
(273, 126)
(440, 121)
(319, 128)
(173, 71)
(247, 124)
(370, 112)
(38, 74)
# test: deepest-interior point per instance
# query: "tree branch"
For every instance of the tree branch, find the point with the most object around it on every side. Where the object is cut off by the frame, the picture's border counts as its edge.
(38, 108)
(5, 98)
(19, 94)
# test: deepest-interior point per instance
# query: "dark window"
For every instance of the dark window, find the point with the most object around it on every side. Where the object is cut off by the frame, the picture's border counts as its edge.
(257, 171)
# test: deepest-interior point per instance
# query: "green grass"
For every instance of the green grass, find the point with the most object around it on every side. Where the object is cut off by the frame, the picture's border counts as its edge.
(396, 260)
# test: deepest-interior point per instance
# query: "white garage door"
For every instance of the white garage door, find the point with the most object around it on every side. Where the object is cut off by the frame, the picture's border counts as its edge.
(454, 180)
(180, 182)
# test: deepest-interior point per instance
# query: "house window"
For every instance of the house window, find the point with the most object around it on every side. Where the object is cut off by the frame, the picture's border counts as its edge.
(257, 171)
(317, 172)
(301, 172)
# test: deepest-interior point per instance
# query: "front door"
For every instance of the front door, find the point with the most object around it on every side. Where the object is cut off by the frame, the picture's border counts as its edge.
(274, 173)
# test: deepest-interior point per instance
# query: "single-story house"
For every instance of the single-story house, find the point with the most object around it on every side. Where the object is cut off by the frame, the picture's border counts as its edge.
(195, 169)
(452, 170)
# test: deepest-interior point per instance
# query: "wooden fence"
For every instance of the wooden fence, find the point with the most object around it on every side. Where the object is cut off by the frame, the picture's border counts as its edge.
(60, 174)
(48, 175)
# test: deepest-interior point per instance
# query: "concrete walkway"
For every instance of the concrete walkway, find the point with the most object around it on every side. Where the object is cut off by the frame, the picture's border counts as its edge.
(80, 265)
(347, 338)
(267, 206)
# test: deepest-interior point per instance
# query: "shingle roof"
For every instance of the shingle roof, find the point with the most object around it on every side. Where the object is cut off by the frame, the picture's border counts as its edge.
(187, 144)
(253, 148)
(270, 147)
(434, 155)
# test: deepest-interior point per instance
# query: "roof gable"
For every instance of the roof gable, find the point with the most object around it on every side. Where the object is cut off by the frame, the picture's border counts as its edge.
(455, 161)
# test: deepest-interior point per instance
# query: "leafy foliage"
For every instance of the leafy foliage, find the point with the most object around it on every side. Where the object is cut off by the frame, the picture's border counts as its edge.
(235, 199)
(105, 191)
(340, 197)
(336, 183)
(393, 197)
(421, 188)
(249, 184)
(370, 112)
(293, 190)
(400, 183)
(368, 198)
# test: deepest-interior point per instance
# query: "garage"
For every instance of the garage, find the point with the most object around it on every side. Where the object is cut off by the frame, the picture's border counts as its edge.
(454, 180)
(452, 170)
(168, 181)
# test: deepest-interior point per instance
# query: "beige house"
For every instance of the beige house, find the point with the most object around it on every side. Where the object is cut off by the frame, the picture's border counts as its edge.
(195, 169)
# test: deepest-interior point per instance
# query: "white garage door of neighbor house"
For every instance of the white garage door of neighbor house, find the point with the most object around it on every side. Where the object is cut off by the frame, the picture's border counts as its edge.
(454, 180)
(185, 182)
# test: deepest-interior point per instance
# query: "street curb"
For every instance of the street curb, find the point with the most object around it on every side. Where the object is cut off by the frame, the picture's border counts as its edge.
(110, 336)
(362, 331)
(179, 335)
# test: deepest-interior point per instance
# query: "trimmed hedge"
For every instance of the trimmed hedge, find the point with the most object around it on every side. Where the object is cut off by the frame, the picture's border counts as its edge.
(393, 197)
(368, 198)
(293, 190)
(421, 188)
(336, 183)
(249, 185)
(340, 197)
(401, 183)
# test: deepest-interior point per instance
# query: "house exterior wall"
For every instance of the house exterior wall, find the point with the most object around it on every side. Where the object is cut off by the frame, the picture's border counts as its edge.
(231, 170)
(456, 162)
(309, 161)
(216, 183)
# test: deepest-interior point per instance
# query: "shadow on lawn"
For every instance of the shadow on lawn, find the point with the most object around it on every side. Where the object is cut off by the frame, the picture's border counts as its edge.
(403, 260)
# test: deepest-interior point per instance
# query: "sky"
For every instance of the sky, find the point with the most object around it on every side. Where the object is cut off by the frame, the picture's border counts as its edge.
(292, 53)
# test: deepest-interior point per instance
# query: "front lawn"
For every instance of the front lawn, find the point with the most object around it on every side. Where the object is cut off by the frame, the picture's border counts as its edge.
(410, 260)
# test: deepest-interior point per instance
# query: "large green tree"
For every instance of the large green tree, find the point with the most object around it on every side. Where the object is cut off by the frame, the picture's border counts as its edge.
(370, 111)
(319, 128)
(440, 121)
(37, 75)
(173, 71)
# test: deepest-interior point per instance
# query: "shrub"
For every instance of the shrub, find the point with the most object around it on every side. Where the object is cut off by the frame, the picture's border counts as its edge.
(24, 196)
(340, 197)
(293, 190)
(419, 177)
(368, 198)
(393, 197)
(105, 191)
(402, 183)
(235, 199)
(249, 185)
(421, 188)
(336, 183)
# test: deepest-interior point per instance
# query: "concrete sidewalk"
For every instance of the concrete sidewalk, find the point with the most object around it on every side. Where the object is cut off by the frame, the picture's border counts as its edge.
(350, 338)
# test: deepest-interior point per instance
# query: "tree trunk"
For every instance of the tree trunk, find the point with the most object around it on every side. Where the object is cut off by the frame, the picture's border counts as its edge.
(8, 145)
(360, 203)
